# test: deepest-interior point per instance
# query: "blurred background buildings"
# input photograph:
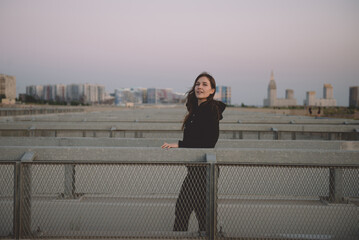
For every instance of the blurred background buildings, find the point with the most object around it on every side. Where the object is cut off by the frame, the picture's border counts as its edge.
(83, 93)
(354, 97)
(273, 101)
(7, 89)
(96, 94)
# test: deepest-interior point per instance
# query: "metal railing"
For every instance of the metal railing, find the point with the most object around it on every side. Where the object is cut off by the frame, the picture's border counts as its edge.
(96, 199)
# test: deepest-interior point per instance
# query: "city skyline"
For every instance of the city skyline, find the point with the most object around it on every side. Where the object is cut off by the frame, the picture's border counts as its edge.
(163, 44)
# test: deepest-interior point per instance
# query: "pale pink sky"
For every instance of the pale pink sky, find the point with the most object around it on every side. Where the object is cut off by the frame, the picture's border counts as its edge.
(164, 43)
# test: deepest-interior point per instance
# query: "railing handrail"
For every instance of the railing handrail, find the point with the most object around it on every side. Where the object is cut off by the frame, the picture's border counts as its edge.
(155, 155)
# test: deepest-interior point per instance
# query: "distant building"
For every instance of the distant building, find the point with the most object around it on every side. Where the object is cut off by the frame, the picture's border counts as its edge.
(223, 93)
(165, 95)
(152, 96)
(93, 93)
(123, 96)
(354, 96)
(84, 93)
(35, 91)
(49, 93)
(7, 88)
(327, 100)
(273, 101)
(60, 93)
(74, 92)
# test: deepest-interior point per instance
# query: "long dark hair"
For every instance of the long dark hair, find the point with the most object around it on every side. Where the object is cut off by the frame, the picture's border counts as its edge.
(192, 101)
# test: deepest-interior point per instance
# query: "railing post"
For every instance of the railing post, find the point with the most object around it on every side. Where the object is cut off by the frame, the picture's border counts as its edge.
(112, 132)
(356, 134)
(16, 222)
(31, 131)
(335, 185)
(25, 193)
(69, 182)
(275, 133)
(211, 198)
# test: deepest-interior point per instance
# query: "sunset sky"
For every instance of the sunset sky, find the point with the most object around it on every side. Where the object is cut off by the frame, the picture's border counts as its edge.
(166, 44)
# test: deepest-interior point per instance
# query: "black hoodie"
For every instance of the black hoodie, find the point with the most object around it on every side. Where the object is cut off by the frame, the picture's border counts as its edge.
(201, 130)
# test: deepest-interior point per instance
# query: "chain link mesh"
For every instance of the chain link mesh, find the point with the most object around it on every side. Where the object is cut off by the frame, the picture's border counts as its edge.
(113, 200)
(6, 200)
(133, 200)
(283, 202)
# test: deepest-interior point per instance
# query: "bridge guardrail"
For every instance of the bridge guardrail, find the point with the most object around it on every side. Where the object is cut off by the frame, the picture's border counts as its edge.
(249, 193)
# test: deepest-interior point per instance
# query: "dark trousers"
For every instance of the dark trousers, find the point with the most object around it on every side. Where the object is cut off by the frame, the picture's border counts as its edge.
(192, 197)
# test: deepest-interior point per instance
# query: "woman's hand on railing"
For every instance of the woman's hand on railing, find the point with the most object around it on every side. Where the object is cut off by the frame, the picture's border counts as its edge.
(169, 145)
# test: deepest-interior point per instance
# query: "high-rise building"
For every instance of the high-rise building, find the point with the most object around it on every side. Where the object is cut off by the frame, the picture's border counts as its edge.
(327, 100)
(84, 93)
(152, 97)
(49, 93)
(354, 96)
(35, 91)
(7, 88)
(328, 91)
(60, 93)
(223, 93)
(273, 101)
(124, 96)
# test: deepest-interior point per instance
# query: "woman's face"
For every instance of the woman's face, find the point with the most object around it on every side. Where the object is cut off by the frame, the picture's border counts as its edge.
(203, 89)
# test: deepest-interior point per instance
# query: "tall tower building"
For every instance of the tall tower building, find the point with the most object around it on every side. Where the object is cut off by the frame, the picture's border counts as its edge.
(354, 96)
(272, 90)
(327, 100)
(7, 88)
(310, 99)
(273, 101)
(223, 93)
(289, 94)
(328, 91)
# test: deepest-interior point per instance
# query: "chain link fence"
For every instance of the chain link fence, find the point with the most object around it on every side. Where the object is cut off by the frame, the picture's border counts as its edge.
(173, 201)
(287, 202)
(7, 199)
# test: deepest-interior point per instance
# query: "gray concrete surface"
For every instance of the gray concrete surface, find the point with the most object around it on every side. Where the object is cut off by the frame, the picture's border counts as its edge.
(155, 217)
(137, 199)
(157, 142)
(176, 114)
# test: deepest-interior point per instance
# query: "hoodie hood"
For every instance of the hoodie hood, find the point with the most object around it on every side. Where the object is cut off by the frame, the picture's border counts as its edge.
(221, 107)
(216, 106)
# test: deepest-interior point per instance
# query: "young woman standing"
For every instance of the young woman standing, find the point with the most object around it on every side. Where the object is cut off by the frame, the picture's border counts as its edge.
(200, 130)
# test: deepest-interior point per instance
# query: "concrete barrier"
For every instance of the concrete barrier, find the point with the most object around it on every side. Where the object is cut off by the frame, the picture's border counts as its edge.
(35, 111)
(157, 142)
(166, 123)
(176, 115)
(172, 130)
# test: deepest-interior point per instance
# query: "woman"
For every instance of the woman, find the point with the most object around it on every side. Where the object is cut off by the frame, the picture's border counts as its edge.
(200, 130)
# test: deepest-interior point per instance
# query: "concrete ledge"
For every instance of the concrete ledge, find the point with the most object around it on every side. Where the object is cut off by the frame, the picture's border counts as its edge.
(156, 142)
(170, 126)
(176, 114)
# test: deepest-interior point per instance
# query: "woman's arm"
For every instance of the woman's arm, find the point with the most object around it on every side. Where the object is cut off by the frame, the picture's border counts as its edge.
(169, 145)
